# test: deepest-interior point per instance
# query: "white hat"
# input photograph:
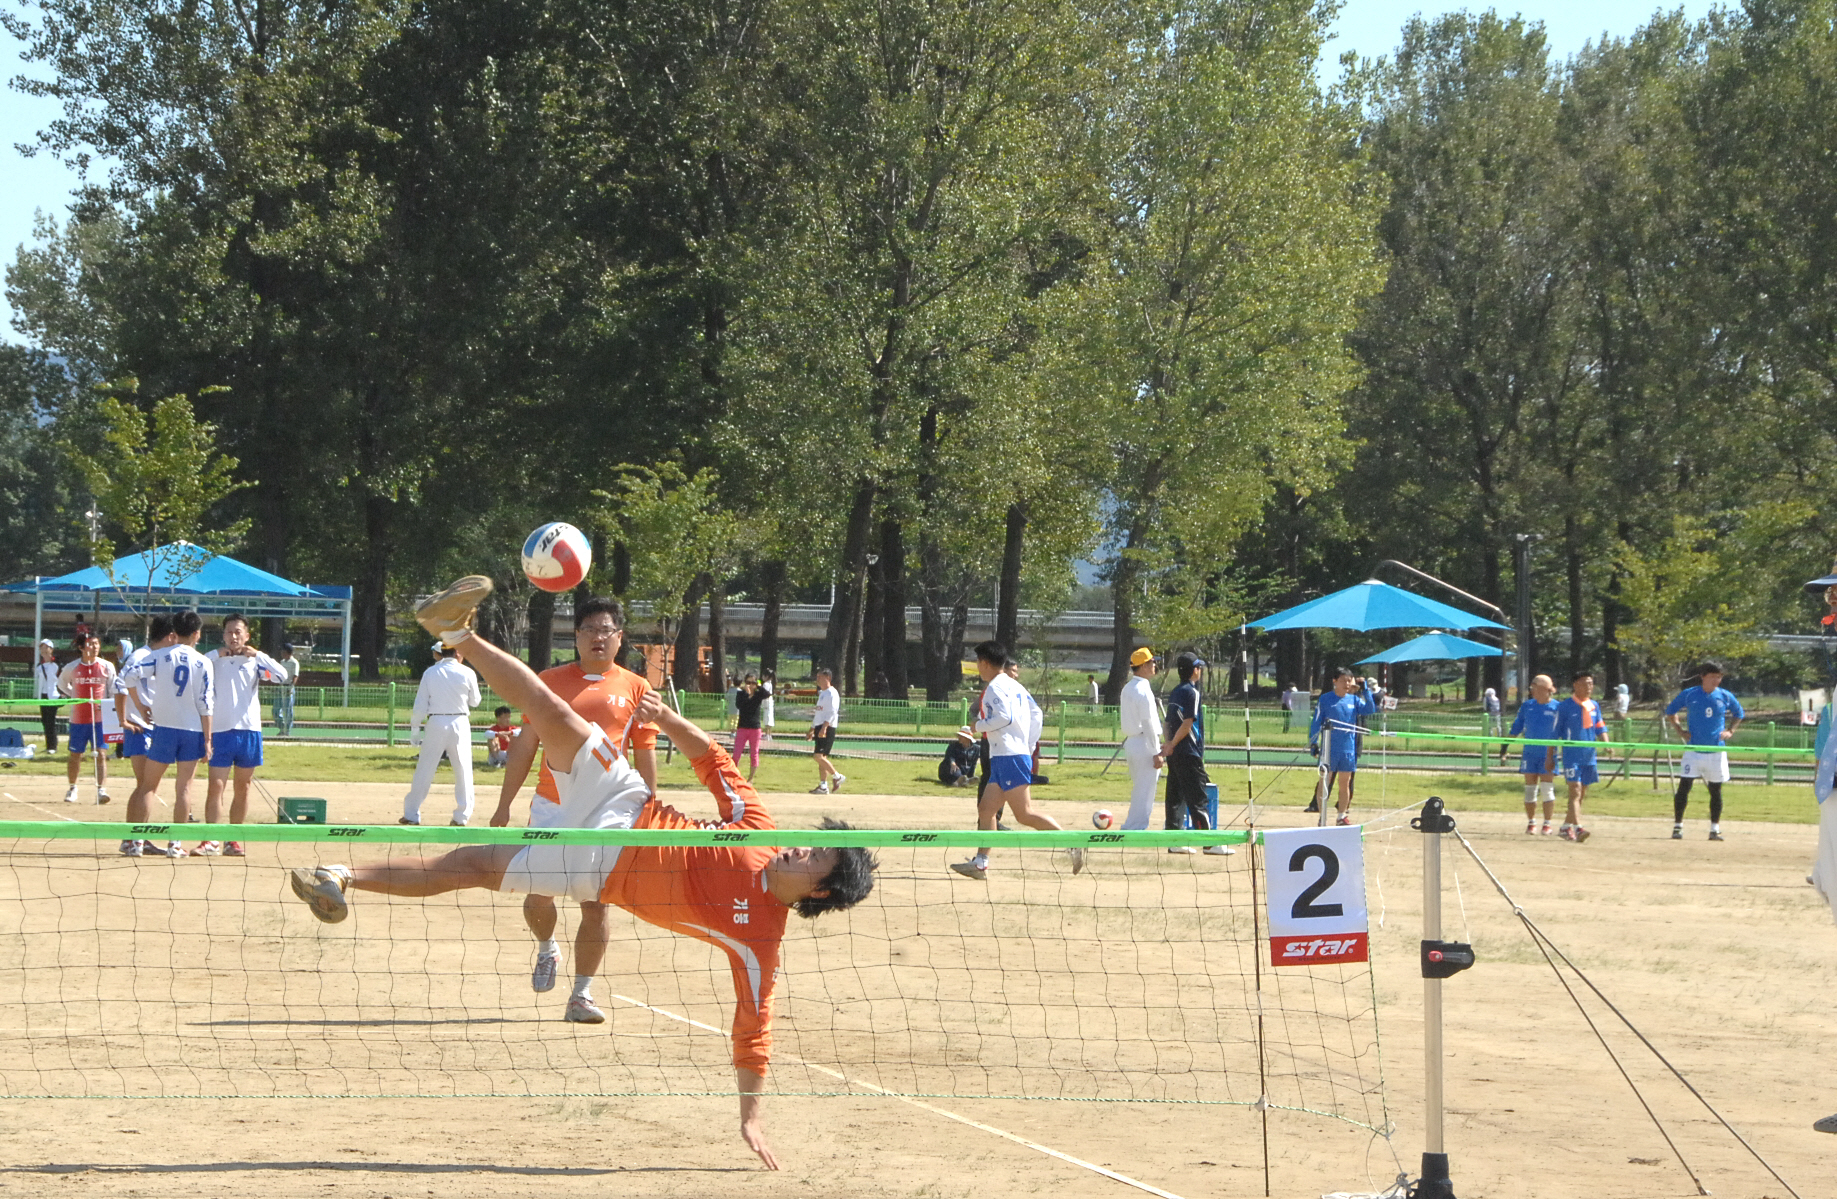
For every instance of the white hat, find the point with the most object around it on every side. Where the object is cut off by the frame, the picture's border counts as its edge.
(48, 643)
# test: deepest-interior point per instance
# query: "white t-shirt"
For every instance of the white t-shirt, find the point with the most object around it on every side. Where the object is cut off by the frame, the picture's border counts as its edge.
(449, 688)
(1140, 715)
(1007, 719)
(238, 692)
(130, 677)
(177, 682)
(828, 708)
(290, 670)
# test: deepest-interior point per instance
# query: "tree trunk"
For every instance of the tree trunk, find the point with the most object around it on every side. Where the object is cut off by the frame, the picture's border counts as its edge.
(1613, 663)
(1495, 667)
(953, 643)
(892, 631)
(717, 633)
(686, 664)
(371, 616)
(1008, 604)
(541, 629)
(1124, 636)
(844, 613)
(1572, 562)
(1239, 682)
(872, 663)
(621, 569)
(772, 582)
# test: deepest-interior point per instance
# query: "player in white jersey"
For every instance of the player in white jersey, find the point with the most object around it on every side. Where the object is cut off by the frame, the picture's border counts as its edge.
(178, 683)
(237, 671)
(136, 725)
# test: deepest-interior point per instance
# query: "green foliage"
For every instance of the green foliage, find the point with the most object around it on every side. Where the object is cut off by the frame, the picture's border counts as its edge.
(675, 527)
(1689, 602)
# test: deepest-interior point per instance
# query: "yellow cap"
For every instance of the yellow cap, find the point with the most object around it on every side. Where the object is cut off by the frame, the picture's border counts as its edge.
(1142, 656)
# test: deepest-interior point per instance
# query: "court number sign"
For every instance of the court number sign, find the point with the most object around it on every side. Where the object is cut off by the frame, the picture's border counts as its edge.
(1316, 889)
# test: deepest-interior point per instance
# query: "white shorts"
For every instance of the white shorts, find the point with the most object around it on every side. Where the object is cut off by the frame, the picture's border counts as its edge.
(1710, 767)
(601, 790)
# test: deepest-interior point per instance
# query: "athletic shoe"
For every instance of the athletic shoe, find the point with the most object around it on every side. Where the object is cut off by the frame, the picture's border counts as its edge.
(130, 849)
(548, 965)
(101, 795)
(1715, 835)
(1677, 832)
(1581, 834)
(1828, 1124)
(1077, 857)
(1181, 849)
(1344, 821)
(453, 609)
(208, 849)
(323, 891)
(173, 850)
(1568, 834)
(820, 789)
(458, 823)
(971, 870)
(1530, 828)
(234, 849)
(582, 1010)
(406, 820)
(70, 796)
(1313, 806)
(836, 781)
(1219, 851)
(1548, 830)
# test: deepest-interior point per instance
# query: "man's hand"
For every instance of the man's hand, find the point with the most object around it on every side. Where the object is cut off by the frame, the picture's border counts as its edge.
(1160, 760)
(1726, 734)
(752, 1117)
(650, 708)
(501, 817)
(1314, 749)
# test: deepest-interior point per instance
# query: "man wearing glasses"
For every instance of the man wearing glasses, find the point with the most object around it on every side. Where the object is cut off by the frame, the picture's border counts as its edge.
(605, 694)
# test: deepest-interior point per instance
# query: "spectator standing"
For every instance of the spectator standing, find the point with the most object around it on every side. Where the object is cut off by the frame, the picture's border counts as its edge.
(89, 677)
(1184, 753)
(283, 703)
(768, 715)
(446, 695)
(822, 733)
(1494, 714)
(1139, 717)
(44, 686)
(1623, 701)
(1291, 696)
(1095, 692)
(749, 715)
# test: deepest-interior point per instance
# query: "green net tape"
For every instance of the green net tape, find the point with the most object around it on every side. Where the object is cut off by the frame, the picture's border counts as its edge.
(1602, 745)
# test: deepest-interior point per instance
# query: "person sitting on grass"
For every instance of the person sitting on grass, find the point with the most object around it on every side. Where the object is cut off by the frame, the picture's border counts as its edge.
(958, 769)
(736, 898)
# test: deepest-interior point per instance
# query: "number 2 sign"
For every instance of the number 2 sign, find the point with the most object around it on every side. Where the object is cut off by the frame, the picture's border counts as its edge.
(1316, 889)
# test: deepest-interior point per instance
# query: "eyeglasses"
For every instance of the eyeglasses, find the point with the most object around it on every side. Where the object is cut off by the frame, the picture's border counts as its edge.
(594, 630)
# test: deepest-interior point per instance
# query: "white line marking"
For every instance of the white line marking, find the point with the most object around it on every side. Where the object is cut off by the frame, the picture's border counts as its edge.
(938, 1111)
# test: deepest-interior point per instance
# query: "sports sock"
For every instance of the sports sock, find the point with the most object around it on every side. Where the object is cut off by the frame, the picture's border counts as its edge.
(1681, 800)
(581, 983)
(549, 946)
(1715, 803)
(981, 861)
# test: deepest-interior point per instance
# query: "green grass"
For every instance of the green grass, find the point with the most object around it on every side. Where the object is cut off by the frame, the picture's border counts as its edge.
(1080, 783)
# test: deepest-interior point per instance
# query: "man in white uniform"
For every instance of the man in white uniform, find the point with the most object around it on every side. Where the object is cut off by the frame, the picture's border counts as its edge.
(1140, 719)
(179, 707)
(238, 669)
(448, 691)
(136, 726)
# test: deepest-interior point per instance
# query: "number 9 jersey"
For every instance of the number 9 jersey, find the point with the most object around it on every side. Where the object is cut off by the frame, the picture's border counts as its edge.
(178, 678)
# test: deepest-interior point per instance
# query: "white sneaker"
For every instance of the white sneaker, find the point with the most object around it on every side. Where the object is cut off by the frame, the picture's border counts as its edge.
(971, 870)
(173, 849)
(1181, 849)
(70, 796)
(1220, 851)
(1077, 857)
(131, 849)
(548, 965)
(582, 1010)
(820, 789)
(323, 891)
(836, 781)
(101, 795)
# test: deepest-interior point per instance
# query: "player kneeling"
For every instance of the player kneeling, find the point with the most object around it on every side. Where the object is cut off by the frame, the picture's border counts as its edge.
(735, 898)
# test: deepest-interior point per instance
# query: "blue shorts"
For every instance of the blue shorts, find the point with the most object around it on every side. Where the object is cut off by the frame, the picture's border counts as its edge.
(167, 746)
(1010, 771)
(1537, 759)
(84, 737)
(1581, 769)
(236, 747)
(1343, 761)
(133, 743)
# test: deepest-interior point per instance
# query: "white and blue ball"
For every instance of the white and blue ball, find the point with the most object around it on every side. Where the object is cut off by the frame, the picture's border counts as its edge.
(1101, 818)
(557, 556)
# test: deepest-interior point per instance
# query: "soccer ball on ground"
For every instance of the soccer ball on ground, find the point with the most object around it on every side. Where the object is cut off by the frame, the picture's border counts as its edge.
(1101, 818)
(557, 556)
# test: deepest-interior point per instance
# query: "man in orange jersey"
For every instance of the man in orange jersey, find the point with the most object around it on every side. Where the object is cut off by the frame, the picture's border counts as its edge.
(736, 898)
(603, 693)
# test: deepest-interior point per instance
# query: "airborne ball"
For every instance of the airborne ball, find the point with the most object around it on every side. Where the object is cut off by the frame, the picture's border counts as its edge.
(556, 557)
(1101, 818)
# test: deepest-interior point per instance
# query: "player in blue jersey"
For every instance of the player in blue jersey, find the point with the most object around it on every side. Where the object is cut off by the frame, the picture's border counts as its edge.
(1536, 719)
(1333, 737)
(1578, 718)
(1708, 708)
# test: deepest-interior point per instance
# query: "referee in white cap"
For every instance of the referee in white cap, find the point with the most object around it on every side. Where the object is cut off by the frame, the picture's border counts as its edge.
(1139, 715)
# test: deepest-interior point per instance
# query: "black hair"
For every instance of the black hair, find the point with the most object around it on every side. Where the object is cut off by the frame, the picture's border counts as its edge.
(848, 883)
(1580, 675)
(159, 627)
(1344, 672)
(594, 605)
(823, 672)
(501, 711)
(186, 623)
(1709, 667)
(83, 639)
(992, 652)
(238, 618)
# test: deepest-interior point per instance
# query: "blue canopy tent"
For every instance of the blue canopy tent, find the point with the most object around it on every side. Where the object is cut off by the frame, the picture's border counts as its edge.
(1432, 647)
(1373, 605)
(181, 575)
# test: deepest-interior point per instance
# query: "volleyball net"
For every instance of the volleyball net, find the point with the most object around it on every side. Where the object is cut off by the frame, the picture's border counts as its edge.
(1143, 978)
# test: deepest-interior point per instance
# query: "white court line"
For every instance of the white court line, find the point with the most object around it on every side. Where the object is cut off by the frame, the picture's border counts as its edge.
(948, 1115)
(45, 811)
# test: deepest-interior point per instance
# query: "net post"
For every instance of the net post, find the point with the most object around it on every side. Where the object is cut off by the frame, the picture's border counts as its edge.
(391, 734)
(1772, 741)
(1440, 959)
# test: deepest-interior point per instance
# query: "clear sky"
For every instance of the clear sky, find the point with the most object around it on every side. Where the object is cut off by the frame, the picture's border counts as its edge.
(1368, 27)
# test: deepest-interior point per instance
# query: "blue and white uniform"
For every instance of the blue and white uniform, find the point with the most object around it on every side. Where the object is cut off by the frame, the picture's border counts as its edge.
(178, 684)
(1006, 720)
(236, 737)
(1706, 716)
(1538, 722)
(1824, 866)
(1339, 716)
(1579, 720)
(135, 734)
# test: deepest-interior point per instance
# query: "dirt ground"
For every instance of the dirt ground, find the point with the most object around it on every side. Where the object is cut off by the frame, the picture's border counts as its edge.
(1718, 952)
